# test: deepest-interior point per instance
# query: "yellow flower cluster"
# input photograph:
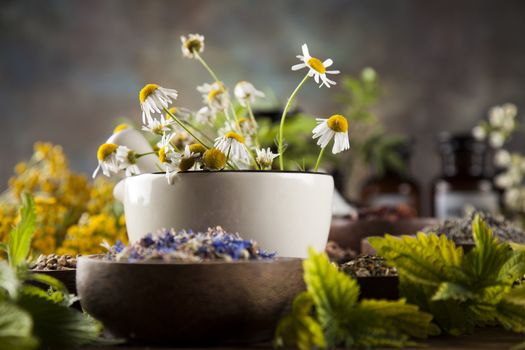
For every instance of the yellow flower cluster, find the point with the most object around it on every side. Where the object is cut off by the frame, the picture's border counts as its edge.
(62, 198)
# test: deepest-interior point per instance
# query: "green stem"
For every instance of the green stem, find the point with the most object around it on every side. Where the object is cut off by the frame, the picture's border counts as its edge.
(198, 131)
(319, 159)
(201, 60)
(185, 128)
(252, 118)
(283, 117)
(144, 154)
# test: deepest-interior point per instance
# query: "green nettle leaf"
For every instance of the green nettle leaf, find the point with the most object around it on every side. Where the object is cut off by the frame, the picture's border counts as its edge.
(19, 243)
(300, 329)
(58, 326)
(345, 320)
(461, 291)
(9, 283)
(15, 328)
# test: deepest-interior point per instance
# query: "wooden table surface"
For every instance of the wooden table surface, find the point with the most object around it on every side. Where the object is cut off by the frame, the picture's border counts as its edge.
(484, 338)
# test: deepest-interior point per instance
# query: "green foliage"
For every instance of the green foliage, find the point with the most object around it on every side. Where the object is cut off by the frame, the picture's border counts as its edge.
(343, 319)
(32, 317)
(382, 151)
(462, 291)
(20, 236)
(16, 328)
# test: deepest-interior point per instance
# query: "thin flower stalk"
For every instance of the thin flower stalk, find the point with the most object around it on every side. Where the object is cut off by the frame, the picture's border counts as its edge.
(182, 125)
(321, 152)
(256, 126)
(283, 118)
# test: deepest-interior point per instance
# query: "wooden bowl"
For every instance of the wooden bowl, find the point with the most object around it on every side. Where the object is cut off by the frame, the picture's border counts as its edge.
(349, 233)
(189, 303)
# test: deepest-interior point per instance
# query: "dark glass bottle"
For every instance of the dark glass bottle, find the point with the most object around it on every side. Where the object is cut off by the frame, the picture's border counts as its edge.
(464, 182)
(393, 187)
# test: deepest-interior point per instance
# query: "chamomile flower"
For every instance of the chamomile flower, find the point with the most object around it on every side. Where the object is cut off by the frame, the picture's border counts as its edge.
(214, 159)
(191, 45)
(157, 126)
(205, 115)
(265, 158)
(154, 98)
(107, 160)
(317, 69)
(187, 159)
(215, 95)
(502, 158)
(335, 126)
(479, 133)
(496, 139)
(169, 160)
(180, 112)
(127, 160)
(245, 92)
(234, 146)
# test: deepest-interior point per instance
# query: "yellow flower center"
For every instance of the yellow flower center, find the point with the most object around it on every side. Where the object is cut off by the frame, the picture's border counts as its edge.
(172, 110)
(214, 94)
(146, 91)
(338, 123)
(214, 159)
(316, 65)
(120, 127)
(105, 150)
(235, 136)
(162, 155)
(186, 163)
(193, 45)
(197, 148)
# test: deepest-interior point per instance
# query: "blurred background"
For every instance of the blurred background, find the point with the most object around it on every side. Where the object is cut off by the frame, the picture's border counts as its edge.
(70, 69)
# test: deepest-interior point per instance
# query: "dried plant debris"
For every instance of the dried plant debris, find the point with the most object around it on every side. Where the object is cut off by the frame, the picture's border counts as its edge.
(460, 229)
(367, 266)
(53, 262)
(169, 245)
(338, 254)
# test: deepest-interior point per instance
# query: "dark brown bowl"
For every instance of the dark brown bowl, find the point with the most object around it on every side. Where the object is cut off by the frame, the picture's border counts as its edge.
(379, 287)
(349, 233)
(189, 303)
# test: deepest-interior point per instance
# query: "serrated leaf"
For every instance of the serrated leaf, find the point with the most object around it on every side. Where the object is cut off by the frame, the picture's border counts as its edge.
(9, 282)
(511, 310)
(333, 292)
(15, 328)
(57, 286)
(59, 326)
(300, 329)
(450, 290)
(19, 243)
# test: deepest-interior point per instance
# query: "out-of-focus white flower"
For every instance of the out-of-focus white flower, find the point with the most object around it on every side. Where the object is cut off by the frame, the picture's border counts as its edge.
(496, 139)
(192, 45)
(317, 69)
(127, 160)
(479, 133)
(157, 126)
(502, 158)
(510, 109)
(205, 115)
(215, 95)
(265, 158)
(503, 181)
(514, 199)
(326, 129)
(233, 145)
(245, 92)
(496, 116)
(154, 98)
(107, 160)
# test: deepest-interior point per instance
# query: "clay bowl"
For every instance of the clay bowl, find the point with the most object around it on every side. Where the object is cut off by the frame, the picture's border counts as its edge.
(207, 303)
(349, 233)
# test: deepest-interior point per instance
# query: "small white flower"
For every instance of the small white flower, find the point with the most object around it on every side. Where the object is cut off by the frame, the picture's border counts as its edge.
(510, 110)
(169, 160)
(127, 160)
(335, 126)
(215, 95)
(502, 158)
(107, 160)
(503, 180)
(245, 92)
(265, 158)
(156, 126)
(479, 133)
(496, 139)
(496, 116)
(192, 45)
(317, 69)
(154, 98)
(514, 199)
(205, 115)
(233, 145)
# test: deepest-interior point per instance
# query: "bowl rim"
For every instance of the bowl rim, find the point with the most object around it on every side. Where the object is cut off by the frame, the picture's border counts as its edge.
(247, 171)
(99, 259)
